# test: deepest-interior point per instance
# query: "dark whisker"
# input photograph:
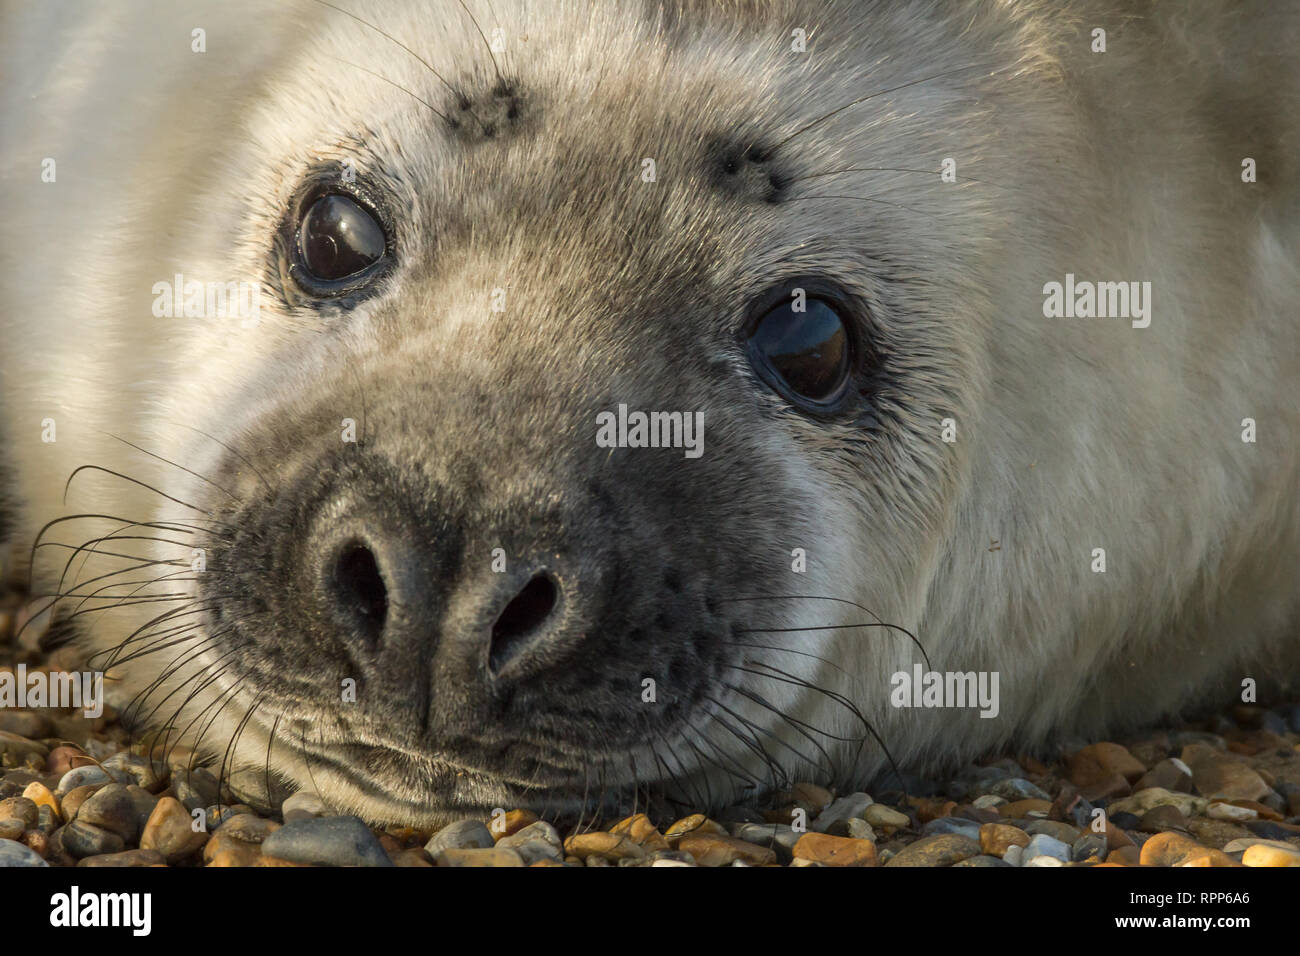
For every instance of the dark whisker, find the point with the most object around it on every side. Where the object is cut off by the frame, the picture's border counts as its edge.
(229, 494)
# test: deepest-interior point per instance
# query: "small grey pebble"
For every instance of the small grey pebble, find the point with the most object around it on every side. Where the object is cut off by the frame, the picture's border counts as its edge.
(327, 841)
(953, 825)
(17, 854)
(1044, 845)
(461, 835)
(196, 788)
(84, 839)
(302, 806)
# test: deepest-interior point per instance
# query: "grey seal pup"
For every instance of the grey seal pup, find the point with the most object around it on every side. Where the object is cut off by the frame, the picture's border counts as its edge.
(450, 406)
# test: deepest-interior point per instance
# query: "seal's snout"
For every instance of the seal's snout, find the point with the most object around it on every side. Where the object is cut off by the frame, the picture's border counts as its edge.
(387, 592)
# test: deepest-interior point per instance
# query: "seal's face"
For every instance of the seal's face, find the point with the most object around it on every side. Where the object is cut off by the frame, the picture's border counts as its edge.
(477, 592)
(442, 573)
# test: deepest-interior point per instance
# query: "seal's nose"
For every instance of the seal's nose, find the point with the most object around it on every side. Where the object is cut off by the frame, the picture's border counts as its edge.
(358, 590)
(522, 627)
(393, 595)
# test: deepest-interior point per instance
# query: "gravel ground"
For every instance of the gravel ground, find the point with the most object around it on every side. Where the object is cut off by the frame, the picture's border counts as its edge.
(1220, 792)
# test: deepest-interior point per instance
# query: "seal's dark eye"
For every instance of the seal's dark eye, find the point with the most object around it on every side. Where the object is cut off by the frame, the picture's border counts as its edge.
(339, 238)
(804, 355)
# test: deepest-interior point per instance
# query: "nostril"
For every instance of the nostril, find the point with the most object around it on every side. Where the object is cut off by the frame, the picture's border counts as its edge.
(359, 588)
(521, 619)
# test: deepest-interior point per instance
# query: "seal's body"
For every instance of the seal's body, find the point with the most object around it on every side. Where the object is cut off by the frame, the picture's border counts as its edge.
(362, 525)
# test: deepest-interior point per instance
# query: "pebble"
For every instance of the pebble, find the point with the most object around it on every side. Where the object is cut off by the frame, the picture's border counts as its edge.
(541, 830)
(1108, 788)
(1218, 810)
(84, 839)
(1044, 845)
(197, 789)
(20, 808)
(15, 854)
(1224, 778)
(1042, 860)
(111, 808)
(125, 858)
(811, 797)
(1175, 849)
(1153, 797)
(982, 860)
(942, 850)
(12, 829)
(835, 851)
(957, 825)
(218, 814)
(1018, 788)
(81, 776)
(1169, 774)
(641, 830)
(1087, 846)
(512, 821)
(1271, 854)
(1025, 808)
(149, 776)
(611, 846)
(695, 823)
(249, 828)
(327, 841)
(988, 801)
(1099, 761)
(1053, 828)
(42, 796)
(73, 799)
(997, 838)
(1159, 819)
(19, 749)
(860, 830)
(25, 723)
(712, 849)
(780, 837)
(169, 830)
(1124, 856)
(879, 815)
(461, 835)
(248, 785)
(63, 759)
(479, 856)
(533, 851)
(1215, 833)
(928, 808)
(1272, 831)
(224, 850)
(302, 806)
(415, 857)
(835, 818)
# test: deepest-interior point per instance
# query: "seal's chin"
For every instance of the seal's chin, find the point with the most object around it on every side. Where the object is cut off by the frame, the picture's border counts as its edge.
(385, 785)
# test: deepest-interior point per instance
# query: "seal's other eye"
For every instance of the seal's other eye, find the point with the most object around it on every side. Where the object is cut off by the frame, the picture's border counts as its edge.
(339, 238)
(804, 355)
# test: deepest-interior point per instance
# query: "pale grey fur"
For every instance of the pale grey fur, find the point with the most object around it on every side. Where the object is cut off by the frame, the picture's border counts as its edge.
(1071, 434)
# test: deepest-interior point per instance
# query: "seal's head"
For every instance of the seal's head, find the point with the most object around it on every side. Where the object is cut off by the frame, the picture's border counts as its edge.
(445, 565)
